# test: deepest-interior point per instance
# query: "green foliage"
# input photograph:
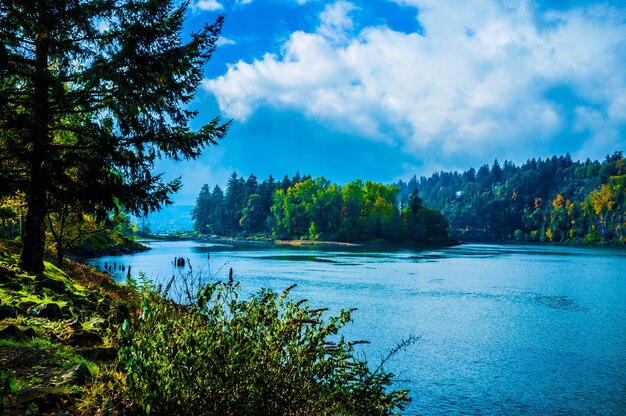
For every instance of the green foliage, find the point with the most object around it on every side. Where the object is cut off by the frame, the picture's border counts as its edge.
(551, 200)
(265, 355)
(306, 208)
(93, 93)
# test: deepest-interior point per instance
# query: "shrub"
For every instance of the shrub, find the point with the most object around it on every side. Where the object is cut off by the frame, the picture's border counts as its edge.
(267, 355)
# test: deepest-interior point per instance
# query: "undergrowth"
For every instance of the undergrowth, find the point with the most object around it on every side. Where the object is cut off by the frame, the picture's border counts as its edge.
(223, 355)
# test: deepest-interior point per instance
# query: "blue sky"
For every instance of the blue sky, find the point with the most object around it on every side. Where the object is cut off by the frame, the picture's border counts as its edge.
(385, 89)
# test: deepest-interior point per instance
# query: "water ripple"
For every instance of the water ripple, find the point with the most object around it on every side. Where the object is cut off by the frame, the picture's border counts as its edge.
(551, 301)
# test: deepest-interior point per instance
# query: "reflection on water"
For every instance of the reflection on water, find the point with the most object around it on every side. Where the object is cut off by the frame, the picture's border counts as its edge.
(504, 329)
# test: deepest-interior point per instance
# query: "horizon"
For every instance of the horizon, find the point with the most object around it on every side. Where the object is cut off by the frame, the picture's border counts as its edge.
(388, 89)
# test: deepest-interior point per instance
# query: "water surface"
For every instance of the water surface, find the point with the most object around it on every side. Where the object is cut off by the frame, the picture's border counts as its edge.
(504, 329)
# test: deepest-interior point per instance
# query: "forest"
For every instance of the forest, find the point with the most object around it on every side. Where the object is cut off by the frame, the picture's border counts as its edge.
(550, 200)
(543, 200)
(305, 208)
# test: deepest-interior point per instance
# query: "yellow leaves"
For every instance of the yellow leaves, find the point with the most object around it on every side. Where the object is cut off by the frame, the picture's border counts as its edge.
(570, 208)
(16, 202)
(549, 234)
(558, 202)
(602, 199)
(606, 199)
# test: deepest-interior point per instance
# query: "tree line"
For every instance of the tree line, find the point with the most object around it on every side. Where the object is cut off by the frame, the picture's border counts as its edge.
(302, 207)
(550, 200)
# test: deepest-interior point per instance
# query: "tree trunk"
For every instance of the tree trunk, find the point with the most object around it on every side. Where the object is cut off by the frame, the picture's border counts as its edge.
(34, 231)
(60, 255)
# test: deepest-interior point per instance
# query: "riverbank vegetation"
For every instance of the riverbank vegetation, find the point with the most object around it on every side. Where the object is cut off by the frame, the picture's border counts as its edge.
(76, 342)
(315, 209)
(551, 200)
(73, 233)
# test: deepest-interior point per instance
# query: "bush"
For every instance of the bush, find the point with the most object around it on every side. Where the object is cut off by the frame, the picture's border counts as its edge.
(267, 355)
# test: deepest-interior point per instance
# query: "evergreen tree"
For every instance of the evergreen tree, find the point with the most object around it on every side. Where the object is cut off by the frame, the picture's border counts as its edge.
(496, 172)
(200, 213)
(415, 203)
(253, 216)
(234, 202)
(252, 185)
(217, 211)
(483, 176)
(266, 191)
(92, 93)
(470, 175)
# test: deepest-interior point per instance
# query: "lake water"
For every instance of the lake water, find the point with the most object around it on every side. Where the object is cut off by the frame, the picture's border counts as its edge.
(503, 329)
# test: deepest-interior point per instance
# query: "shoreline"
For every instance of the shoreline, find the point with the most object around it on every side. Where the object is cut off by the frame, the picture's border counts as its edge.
(306, 243)
(300, 242)
(116, 250)
(578, 244)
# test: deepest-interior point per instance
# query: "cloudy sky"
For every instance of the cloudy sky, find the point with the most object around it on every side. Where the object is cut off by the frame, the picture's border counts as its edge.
(385, 89)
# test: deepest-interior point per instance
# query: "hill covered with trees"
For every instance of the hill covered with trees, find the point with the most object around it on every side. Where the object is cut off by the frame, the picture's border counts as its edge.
(551, 200)
(315, 209)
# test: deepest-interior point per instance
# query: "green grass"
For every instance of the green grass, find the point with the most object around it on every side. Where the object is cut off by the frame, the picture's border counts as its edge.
(63, 355)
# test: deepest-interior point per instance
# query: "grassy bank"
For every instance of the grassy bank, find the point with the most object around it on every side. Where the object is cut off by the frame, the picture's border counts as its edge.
(74, 342)
(57, 333)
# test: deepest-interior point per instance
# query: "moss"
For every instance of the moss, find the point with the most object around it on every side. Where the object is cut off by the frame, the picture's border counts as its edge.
(41, 362)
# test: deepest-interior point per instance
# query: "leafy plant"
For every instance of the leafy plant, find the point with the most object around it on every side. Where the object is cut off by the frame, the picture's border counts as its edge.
(268, 354)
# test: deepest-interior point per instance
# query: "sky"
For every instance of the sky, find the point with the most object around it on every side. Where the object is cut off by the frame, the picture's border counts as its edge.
(386, 89)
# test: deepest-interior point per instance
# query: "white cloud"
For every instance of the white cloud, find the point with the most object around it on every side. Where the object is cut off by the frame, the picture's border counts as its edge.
(206, 5)
(477, 78)
(224, 41)
(335, 21)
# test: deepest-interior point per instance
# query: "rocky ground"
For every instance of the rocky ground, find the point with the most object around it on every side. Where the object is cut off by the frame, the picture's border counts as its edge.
(57, 331)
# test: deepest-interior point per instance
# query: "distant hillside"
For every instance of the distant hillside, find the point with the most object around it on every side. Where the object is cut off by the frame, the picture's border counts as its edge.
(551, 200)
(171, 219)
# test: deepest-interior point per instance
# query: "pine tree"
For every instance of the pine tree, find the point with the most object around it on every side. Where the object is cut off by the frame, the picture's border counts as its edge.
(92, 93)
(201, 212)
(234, 202)
(216, 211)
(496, 172)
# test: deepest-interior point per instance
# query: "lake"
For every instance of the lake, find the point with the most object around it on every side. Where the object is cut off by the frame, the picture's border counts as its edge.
(503, 328)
